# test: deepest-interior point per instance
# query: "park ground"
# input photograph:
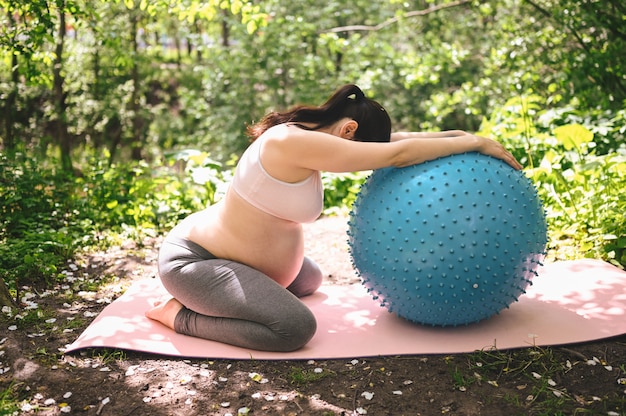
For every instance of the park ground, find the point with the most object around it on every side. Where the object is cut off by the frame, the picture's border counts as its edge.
(36, 377)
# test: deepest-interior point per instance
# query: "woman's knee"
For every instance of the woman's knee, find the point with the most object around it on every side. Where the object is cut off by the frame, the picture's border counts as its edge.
(301, 331)
(308, 280)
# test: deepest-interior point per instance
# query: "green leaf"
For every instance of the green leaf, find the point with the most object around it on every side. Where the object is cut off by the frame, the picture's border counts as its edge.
(572, 136)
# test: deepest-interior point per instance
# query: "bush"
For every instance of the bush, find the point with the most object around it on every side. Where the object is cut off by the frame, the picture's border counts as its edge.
(46, 217)
(578, 166)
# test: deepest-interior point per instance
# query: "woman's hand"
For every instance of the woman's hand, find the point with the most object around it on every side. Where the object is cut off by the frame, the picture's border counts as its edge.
(493, 148)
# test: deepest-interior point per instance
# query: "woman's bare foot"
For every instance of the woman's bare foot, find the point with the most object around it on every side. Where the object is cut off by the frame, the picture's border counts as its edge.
(165, 312)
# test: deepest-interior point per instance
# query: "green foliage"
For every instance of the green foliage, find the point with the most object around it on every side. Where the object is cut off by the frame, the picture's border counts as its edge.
(144, 81)
(579, 176)
(46, 218)
(35, 217)
(340, 191)
(585, 193)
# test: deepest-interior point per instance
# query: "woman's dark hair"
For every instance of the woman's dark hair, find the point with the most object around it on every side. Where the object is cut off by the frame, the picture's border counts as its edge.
(348, 101)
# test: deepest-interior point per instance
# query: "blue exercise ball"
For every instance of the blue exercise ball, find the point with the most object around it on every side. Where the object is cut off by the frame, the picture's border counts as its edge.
(447, 242)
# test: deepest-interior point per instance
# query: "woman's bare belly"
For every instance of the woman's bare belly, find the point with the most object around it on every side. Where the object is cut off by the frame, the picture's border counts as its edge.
(232, 229)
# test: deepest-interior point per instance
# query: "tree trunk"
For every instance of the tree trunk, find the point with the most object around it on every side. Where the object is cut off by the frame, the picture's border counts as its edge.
(137, 122)
(63, 135)
(10, 114)
(225, 29)
(5, 296)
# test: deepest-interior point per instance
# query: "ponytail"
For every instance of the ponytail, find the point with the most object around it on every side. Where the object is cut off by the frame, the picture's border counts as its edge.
(348, 101)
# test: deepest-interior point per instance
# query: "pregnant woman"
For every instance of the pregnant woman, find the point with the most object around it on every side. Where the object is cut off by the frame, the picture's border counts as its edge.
(237, 269)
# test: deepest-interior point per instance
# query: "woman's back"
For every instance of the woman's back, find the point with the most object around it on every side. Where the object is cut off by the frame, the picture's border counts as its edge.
(255, 228)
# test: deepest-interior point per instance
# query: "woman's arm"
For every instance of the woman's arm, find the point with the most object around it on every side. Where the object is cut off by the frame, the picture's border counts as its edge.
(290, 153)
(433, 148)
(401, 135)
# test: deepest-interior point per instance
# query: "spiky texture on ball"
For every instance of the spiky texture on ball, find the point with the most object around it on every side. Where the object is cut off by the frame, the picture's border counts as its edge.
(447, 242)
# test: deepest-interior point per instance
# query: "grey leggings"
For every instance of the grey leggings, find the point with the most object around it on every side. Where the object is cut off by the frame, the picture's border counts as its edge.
(232, 303)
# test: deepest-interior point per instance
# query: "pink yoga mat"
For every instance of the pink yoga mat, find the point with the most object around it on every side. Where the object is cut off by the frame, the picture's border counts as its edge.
(569, 302)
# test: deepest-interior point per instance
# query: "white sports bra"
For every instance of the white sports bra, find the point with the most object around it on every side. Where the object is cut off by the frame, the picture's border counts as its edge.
(298, 202)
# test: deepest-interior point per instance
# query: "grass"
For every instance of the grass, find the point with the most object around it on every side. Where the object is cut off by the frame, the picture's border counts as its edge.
(528, 379)
(8, 400)
(300, 376)
(106, 355)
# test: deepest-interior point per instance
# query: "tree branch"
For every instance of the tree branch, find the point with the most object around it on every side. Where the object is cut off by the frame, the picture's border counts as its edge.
(393, 20)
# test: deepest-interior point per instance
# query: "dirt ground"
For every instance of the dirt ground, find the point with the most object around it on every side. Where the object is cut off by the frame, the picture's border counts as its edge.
(35, 374)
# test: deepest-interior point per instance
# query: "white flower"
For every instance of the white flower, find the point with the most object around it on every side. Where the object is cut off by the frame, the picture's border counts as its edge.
(368, 395)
